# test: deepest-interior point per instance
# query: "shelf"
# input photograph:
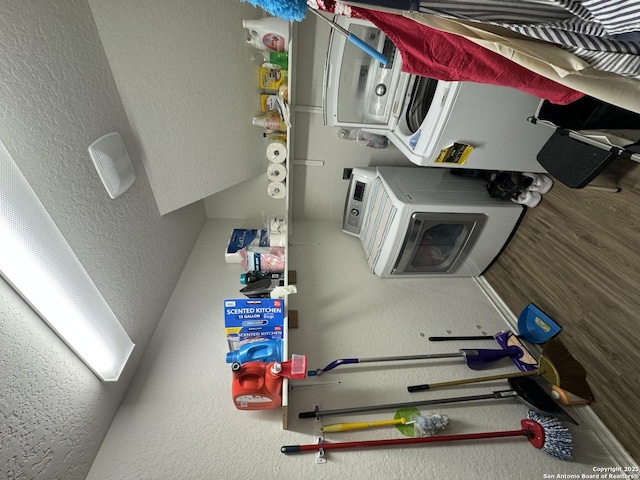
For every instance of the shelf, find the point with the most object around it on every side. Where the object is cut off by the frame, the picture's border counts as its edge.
(289, 164)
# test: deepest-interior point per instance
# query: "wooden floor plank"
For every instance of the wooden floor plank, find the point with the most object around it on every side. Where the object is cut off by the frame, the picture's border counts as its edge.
(577, 256)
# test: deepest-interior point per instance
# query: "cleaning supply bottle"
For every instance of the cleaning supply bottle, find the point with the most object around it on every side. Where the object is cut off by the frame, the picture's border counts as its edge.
(281, 59)
(260, 351)
(258, 385)
(270, 122)
(268, 33)
(262, 57)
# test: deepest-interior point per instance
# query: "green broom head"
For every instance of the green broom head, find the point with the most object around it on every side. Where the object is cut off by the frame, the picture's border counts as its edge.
(286, 9)
(561, 369)
(548, 435)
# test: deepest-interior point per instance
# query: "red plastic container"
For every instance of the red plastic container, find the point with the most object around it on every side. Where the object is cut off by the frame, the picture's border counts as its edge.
(258, 385)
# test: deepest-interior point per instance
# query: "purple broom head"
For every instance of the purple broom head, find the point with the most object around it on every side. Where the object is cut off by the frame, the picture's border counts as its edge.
(285, 9)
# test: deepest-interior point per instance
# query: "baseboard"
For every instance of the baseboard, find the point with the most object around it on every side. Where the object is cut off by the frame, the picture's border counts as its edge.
(585, 415)
(509, 317)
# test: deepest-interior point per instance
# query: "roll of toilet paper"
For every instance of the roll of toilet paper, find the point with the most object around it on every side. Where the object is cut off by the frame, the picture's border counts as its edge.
(276, 151)
(276, 172)
(276, 190)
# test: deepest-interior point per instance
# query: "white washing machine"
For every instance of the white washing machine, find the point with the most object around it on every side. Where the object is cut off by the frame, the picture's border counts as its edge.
(433, 123)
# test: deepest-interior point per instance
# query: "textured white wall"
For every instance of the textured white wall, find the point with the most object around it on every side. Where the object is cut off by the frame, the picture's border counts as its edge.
(58, 95)
(190, 90)
(247, 200)
(317, 192)
(178, 420)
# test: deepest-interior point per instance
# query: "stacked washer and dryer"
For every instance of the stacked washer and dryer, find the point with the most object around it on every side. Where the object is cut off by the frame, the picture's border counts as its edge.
(423, 221)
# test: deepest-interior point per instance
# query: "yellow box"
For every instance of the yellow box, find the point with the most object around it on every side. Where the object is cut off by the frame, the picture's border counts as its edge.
(268, 102)
(271, 78)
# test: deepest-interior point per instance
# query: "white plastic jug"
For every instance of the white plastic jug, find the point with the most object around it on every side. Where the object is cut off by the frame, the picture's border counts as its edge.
(268, 33)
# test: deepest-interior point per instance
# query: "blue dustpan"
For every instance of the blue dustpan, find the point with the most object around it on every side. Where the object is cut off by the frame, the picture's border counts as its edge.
(535, 326)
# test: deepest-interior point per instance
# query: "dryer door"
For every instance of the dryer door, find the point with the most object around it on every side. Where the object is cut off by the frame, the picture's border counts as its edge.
(438, 242)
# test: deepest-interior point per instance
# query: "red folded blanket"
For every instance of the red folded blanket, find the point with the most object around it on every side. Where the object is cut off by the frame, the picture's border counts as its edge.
(431, 53)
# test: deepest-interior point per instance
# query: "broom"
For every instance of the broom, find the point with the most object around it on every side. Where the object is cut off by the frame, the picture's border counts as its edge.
(556, 365)
(544, 433)
(524, 389)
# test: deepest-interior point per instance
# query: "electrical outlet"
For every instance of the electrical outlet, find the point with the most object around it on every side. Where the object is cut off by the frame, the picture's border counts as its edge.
(346, 173)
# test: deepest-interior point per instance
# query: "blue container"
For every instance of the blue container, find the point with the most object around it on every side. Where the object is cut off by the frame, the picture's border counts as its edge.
(260, 351)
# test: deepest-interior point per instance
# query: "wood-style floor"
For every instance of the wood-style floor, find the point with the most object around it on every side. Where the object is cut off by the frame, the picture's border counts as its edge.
(577, 257)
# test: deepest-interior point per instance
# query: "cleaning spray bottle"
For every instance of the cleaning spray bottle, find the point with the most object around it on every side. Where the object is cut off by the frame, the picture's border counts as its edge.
(268, 33)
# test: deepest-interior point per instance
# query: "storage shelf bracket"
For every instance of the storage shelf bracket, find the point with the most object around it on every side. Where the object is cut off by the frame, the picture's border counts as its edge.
(319, 438)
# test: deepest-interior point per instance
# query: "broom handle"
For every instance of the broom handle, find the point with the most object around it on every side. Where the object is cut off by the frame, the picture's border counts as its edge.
(400, 441)
(357, 41)
(431, 386)
(473, 357)
(342, 427)
(420, 403)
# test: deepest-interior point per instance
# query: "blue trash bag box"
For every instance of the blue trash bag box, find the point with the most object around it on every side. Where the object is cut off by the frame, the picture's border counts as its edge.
(251, 319)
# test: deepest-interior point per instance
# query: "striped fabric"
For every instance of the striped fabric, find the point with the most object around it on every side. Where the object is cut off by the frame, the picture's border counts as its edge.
(378, 216)
(585, 28)
(617, 16)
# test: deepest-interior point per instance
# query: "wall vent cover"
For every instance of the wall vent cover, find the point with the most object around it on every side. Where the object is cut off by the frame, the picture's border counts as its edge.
(113, 164)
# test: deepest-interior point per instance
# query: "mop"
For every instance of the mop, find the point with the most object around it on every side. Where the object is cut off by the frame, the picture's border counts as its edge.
(544, 433)
(424, 425)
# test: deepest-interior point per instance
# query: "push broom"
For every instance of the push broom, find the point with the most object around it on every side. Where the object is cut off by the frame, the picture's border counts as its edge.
(556, 365)
(544, 433)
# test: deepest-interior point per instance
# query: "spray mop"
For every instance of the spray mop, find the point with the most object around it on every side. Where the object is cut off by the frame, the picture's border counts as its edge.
(475, 358)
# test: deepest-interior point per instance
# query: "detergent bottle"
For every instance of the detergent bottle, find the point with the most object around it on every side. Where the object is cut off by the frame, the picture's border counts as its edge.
(258, 385)
(259, 351)
(268, 33)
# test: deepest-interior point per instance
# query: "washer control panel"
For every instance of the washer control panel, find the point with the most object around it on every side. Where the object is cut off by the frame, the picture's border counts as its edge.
(355, 204)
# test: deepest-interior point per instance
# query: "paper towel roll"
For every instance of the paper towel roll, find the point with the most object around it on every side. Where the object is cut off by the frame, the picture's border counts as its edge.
(276, 190)
(277, 240)
(276, 151)
(276, 172)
